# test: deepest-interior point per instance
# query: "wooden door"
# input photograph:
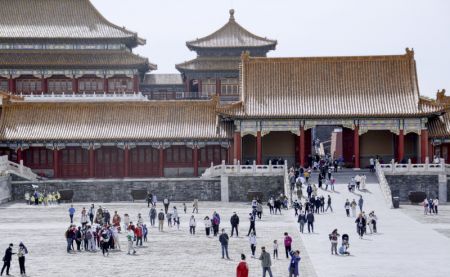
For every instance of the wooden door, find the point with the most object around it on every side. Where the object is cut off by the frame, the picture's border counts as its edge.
(109, 162)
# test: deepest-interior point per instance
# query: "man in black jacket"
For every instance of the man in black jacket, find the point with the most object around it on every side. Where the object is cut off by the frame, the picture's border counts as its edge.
(251, 218)
(234, 224)
(223, 238)
(310, 220)
(7, 259)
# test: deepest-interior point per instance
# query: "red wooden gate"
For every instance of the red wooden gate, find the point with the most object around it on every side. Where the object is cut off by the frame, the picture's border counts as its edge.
(144, 162)
(109, 162)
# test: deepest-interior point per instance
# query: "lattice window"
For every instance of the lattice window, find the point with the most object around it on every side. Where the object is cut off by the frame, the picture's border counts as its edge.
(229, 86)
(208, 87)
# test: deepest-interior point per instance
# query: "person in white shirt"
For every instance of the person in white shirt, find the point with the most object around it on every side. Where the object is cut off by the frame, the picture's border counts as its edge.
(192, 225)
(252, 240)
(435, 205)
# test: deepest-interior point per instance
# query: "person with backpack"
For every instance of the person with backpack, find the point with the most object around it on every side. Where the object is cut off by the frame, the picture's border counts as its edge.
(215, 223)
(161, 221)
(251, 218)
(7, 259)
(223, 239)
(287, 244)
(234, 220)
(334, 241)
(293, 265)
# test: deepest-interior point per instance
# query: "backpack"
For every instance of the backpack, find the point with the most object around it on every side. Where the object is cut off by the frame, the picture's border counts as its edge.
(88, 235)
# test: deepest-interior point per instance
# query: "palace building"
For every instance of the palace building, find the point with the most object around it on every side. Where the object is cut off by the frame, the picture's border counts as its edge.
(232, 103)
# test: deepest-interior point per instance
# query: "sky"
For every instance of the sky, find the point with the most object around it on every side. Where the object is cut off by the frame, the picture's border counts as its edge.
(302, 28)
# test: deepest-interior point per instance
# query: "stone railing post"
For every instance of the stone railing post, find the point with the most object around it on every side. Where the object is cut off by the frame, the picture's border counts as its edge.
(21, 167)
(238, 169)
(254, 166)
(409, 165)
(223, 167)
(427, 163)
(393, 165)
(270, 166)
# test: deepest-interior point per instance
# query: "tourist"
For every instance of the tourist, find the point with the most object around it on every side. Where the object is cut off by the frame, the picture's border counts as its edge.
(115, 237)
(207, 223)
(322, 204)
(343, 250)
(7, 259)
(91, 213)
(152, 215)
(154, 199)
(293, 265)
(287, 244)
(223, 239)
(435, 205)
(161, 221)
(353, 206)
(329, 204)
(78, 238)
(296, 206)
(252, 240)
(277, 206)
(149, 199)
(372, 222)
(176, 218)
(145, 232)
(169, 219)
(192, 225)
(251, 218)
(99, 216)
(310, 220)
(215, 223)
(259, 210)
(363, 181)
(275, 249)
(21, 254)
(130, 238)
(84, 217)
(372, 164)
(139, 233)
(271, 205)
(234, 220)
(116, 221)
(360, 203)
(334, 241)
(90, 239)
(266, 262)
(309, 190)
(27, 197)
(71, 213)
(302, 220)
(126, 220)
(195, 206)
(347, 207)
(358, 181)
(360, 225)
(106, 217)
(166, 203)
(242, 268)
(104, 242)
(69, 237)
(332, 181)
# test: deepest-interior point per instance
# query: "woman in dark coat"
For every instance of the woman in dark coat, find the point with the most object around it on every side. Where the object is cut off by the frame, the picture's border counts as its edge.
(293, 265)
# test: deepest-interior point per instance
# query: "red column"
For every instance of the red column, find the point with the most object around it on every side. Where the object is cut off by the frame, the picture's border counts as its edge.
(126, 169)
(401, 146)
(258, 148)
(301, 146)
(136, 83)
(91, 162)
(161, 162)
(237, 146)
(195, 160)
(424, 145)
(75, 85)
(356, 145)
(19, 155)
(55, 163)
(44, 85)
(105, 84)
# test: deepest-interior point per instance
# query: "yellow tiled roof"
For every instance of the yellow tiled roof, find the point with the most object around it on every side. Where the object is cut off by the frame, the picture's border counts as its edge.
(324, 87)
(111, 121)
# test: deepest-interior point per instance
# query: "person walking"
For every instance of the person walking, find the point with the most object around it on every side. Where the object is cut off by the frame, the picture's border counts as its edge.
(234, 220)
(223, 239)
(149, 199)
(275, 249)
(192, 225)
(207, 223)
(252, 240)
(302, 220)
(266, 262)
(293, 265)
(329, 204)
(215, 223)
(353, 206)
(161, 221)
(7, 259)
(166, 203)
(195, 205)
(91, 213)
(360, 225)
(21, 254)
(242, 268)
(287, 244)
(130, 238)
(360, 203)
(334, 241)
(347, 207)
(310, 220)
(309, 191)
(251, 218)
(152, 215)
(71, 213)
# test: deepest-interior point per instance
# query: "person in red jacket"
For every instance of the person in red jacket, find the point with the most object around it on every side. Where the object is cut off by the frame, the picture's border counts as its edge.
(242, 268)
(287, 244)
(138, 233)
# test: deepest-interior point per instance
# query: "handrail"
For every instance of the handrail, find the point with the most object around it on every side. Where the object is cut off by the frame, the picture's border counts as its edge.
(238, 169)
(384, 186)
(8, 167)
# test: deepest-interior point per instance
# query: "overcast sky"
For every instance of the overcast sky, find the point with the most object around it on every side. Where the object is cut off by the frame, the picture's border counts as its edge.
(302, 28)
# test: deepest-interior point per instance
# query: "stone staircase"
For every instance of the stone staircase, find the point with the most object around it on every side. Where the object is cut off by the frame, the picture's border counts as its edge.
(18, 170)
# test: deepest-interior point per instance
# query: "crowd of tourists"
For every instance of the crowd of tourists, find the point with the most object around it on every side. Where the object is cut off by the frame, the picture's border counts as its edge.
(42, 198)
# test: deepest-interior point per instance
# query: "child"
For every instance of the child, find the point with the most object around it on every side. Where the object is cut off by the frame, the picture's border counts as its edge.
(145, 231)
(169, 219)
(275, 249)
(184, 207)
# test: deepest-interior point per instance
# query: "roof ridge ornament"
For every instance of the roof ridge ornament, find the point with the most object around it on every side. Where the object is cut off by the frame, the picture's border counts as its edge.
(410, 52)
(231, 14)
(245, 56)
